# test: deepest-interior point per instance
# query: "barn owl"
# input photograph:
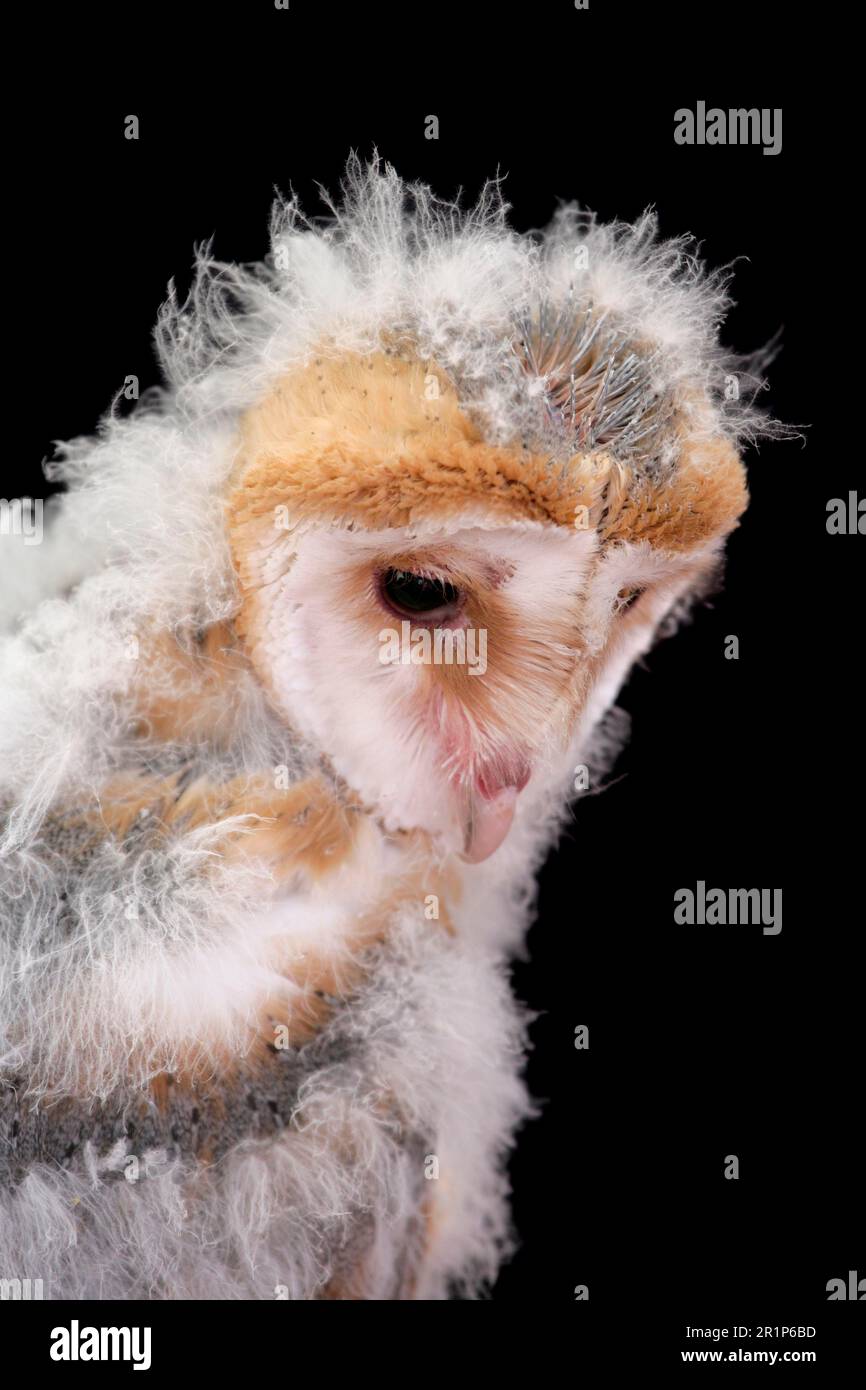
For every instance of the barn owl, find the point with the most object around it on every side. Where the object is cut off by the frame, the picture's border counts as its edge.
(294, 692)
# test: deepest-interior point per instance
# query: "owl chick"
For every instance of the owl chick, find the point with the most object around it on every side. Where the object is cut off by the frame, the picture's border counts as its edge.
(294, 693)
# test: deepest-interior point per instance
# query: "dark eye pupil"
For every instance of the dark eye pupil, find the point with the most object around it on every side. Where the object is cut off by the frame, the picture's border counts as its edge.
(416, 594)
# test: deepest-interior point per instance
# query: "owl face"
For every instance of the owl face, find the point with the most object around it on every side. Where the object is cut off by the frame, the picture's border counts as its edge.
(443, 618)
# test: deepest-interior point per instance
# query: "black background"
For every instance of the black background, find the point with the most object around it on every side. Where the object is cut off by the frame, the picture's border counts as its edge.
(704, 1041)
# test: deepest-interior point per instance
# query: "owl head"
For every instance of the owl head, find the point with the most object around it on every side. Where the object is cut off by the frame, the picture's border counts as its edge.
(475, 473)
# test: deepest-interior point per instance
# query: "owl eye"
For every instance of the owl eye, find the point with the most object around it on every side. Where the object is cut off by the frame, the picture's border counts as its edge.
(415, 595)
(627, 598)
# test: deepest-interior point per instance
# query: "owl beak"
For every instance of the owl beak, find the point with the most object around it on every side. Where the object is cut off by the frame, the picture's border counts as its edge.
(487, 824)
(489, 813)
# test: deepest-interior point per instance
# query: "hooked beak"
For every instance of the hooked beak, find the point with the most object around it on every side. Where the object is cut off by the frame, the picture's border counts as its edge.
(489, 811)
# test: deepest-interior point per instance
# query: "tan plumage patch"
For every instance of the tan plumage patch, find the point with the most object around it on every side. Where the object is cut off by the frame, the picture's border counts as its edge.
(302, 829)
(305, 832)
(359, 440)
(703, 498)
(187, 690)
